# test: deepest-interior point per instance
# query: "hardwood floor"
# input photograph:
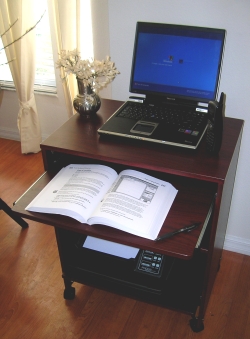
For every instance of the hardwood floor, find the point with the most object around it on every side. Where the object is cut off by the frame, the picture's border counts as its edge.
(31, 288)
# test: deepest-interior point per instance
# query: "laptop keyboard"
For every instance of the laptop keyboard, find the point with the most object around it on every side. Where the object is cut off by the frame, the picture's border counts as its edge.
(176, 117)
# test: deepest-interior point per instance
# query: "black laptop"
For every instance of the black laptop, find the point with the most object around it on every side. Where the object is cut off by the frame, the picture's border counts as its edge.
(175, 73)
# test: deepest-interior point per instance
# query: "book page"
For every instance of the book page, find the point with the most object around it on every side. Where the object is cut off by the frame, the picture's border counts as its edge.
(75, 191)
(137, 203)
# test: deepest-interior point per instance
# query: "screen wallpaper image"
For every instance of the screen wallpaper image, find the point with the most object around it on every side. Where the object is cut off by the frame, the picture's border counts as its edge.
(181, 65)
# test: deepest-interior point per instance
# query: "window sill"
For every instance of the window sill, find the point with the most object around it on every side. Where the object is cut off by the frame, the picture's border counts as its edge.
(46, 90)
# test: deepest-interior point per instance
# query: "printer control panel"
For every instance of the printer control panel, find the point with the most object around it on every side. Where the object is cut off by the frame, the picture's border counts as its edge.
(150, 263)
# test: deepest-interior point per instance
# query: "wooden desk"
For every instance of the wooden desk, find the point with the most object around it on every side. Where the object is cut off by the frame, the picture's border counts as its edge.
(201, 179)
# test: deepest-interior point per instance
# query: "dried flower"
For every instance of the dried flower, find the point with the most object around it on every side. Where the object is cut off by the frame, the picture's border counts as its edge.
(94, 73)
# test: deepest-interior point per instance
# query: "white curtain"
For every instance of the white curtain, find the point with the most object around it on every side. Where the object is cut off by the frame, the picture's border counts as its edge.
(22, 67)
(64, 16)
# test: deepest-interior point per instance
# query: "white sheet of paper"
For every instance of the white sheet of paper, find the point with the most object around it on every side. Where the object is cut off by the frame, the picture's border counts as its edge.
(110, 247)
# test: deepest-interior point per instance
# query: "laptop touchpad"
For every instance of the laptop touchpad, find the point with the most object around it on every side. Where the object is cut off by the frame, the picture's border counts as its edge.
(144, 127)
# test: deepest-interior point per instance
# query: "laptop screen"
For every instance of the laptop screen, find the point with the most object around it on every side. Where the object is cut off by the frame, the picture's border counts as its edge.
(177, 61)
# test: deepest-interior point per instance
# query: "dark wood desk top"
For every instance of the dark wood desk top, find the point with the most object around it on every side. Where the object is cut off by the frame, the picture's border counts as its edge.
(79, 137)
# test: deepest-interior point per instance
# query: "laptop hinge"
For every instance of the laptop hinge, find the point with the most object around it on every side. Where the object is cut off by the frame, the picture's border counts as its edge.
(166, 100)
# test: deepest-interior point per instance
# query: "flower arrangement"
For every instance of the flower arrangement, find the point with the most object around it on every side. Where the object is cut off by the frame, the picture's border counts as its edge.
(93, 73)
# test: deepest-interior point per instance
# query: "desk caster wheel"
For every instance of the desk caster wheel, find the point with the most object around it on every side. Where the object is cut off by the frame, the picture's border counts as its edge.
(196, 325)
(69, 293)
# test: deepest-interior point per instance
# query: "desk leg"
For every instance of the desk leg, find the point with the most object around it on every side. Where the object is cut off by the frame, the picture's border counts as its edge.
(62, 238)
(196, 324)
(69, 292)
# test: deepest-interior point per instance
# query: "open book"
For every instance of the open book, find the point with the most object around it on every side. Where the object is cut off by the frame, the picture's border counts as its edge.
(132, 201)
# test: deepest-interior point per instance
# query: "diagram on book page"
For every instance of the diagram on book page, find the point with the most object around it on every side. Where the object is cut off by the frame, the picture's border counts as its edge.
(135, 188)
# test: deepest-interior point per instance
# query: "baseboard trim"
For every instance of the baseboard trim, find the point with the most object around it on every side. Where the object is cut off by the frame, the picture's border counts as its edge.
(11, 134)
(237, 244)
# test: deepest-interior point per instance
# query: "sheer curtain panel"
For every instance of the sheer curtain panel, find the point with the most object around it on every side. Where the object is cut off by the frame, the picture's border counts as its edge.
(22, 67)
(64, 17)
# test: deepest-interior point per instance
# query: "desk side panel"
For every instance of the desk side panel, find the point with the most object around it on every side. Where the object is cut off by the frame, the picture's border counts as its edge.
(221, 215)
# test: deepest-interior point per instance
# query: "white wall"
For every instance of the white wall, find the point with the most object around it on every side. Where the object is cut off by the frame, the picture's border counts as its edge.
(232, 15)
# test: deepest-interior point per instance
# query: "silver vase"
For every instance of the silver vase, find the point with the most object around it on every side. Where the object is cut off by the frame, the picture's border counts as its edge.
(87, 102)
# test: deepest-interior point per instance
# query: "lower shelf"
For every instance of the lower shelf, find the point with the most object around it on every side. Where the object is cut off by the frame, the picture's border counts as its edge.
(178, 288)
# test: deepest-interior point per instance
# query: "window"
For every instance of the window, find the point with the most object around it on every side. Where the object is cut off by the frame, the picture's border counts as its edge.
(45, 74)
(45, 70)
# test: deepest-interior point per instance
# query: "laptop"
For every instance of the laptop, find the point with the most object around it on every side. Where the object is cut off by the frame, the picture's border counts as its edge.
(175, 73)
